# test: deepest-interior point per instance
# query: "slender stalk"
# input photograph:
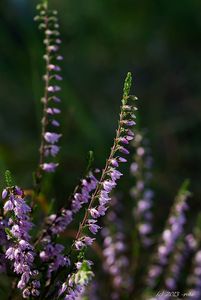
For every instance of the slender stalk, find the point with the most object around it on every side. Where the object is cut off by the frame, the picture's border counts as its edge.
(44, 121)
(104, 173)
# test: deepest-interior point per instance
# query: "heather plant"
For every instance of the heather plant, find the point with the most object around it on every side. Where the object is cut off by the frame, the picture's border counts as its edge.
(45, 259)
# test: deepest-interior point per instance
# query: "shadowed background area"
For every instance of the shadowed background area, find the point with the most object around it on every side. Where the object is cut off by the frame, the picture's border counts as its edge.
(158, 41)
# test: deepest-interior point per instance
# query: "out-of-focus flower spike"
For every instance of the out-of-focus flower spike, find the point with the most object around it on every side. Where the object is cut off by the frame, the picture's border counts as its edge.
(171, 233)
(115, 261)
(141, 193)
(184, 247)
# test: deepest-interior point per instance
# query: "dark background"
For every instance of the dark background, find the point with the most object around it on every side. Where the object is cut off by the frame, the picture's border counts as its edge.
(158, 41)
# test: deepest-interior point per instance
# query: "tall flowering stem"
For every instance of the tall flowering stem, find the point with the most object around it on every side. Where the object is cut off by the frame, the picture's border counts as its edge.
(101, 197)
(173, 230)
(49, 138)
(141, 193)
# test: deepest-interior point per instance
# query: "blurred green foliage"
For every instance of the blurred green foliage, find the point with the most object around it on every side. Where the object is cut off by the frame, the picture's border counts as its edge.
(158, 41)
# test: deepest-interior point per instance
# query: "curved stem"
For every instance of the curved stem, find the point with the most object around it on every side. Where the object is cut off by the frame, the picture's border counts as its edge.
(44, 120)
(104, 173)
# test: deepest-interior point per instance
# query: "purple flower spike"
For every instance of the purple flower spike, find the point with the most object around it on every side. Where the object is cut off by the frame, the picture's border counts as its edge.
(115, 261)
(101, 197)
(170, 235)
(20, 251)
(50, 26)
(141, 193)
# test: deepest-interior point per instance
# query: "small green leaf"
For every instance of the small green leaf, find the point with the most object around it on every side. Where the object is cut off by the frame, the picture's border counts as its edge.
(9, 233)
(8, 178)
(127, 87)
(184, 189)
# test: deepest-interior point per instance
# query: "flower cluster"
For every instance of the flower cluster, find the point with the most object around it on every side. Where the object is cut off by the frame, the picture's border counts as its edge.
(141, 193)
(52, 254)
(49, 138)
(20, 251)
(171, 233)
(57, 223)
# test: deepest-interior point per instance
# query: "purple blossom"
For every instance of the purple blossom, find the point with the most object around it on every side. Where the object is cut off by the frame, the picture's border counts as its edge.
(53, 110)
(4, 194)
(59, 57)
(58, 77)
(129, 123)
(93, 227)
(55, 99)
(88, 240)
(53, 48)
(51, 150)
(122, 159)
(52, 137)
(79, 244)
(49, 167)
(53, 89)
(94, 212)
(124, 150)
(114, 163)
